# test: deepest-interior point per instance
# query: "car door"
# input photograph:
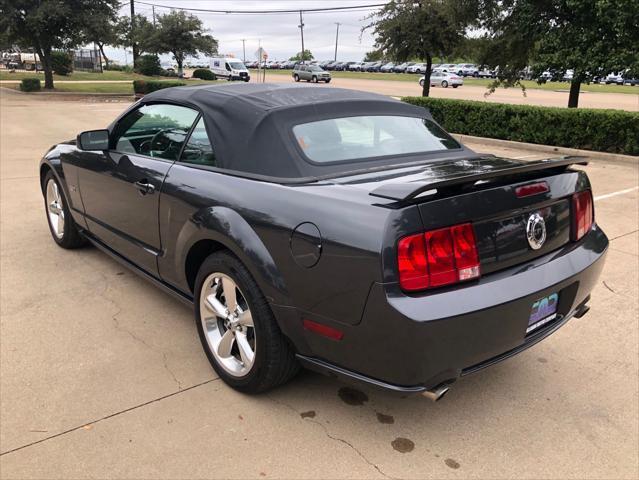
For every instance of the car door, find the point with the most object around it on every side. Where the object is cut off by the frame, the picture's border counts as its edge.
(304, 73)
(120, 188)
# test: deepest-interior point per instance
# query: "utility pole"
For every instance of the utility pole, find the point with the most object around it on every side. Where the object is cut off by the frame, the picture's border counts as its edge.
(301, 25)
(133, 45)
(336, 38)
(244, 50)
(153, 7)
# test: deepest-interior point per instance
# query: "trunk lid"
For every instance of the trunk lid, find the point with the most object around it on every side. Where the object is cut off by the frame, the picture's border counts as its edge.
(483, 191)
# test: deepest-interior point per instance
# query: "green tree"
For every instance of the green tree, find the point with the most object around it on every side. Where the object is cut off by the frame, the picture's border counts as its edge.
(374, 56)
(298, 57)
(46, 25)
(590, 37)
(180, 34)
(102, 28)
(421, 28)
(143, 34)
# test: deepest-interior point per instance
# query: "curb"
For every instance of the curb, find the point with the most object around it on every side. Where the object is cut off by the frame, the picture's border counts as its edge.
(533, 147)
(79, 95)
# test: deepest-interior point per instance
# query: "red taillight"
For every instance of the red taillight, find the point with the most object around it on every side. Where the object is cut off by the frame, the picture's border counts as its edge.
(582, 214)
(411, 259)
(531, 189)
(439, 257)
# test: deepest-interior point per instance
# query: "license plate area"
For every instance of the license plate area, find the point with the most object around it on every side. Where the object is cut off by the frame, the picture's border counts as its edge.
(544, 311)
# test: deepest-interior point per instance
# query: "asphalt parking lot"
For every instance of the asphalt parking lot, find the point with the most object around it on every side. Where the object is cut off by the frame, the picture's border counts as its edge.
(102, 375)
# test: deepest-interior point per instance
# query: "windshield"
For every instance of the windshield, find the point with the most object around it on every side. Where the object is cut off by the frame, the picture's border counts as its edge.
(315, 68)
(365, 137)
(237, 65)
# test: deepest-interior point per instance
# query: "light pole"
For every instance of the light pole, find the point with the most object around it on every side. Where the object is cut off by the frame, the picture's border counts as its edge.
(244, 50)
(301, 25)
(336, 38)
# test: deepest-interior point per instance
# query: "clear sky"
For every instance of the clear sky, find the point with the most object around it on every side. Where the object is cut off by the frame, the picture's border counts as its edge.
(279, 34)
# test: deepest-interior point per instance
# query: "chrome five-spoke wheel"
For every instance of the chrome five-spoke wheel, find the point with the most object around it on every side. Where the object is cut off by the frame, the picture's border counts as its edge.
(227, 324)
(55, 208)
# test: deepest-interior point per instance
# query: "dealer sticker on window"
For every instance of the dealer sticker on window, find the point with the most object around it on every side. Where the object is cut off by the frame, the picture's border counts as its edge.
(543, 311)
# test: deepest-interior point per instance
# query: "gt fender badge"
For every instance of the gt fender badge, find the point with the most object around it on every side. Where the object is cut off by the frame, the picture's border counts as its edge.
(536, 231)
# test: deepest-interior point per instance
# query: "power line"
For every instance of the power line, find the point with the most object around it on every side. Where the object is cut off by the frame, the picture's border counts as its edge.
(296, 10)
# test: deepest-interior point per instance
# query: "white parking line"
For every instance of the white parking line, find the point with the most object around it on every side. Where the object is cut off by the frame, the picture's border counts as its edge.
(614, 194)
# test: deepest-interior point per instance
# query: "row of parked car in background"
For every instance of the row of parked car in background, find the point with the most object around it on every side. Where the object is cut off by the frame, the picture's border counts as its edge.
(458, 69)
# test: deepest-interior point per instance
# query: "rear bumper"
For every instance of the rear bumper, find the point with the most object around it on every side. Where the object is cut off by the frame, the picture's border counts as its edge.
(414, 343)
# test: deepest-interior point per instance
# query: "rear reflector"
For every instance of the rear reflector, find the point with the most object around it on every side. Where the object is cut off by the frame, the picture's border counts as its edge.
(436, 258)
(324, 330)
(531, 189)
(582, 213)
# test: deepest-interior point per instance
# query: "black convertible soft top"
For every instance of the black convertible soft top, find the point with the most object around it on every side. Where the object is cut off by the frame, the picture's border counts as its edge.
(250, 125)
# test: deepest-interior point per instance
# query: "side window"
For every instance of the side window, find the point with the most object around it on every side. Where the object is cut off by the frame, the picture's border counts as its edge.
(157, 130)
(198, 149)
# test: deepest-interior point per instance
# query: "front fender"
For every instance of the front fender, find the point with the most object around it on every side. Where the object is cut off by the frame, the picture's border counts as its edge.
(228, 228)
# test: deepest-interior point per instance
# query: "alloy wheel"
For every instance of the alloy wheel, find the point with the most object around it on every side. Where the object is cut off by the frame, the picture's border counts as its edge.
(55, 208)
(227, 324)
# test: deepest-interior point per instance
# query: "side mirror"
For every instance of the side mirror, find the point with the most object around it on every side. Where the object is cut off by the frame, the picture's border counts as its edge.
(93, 140)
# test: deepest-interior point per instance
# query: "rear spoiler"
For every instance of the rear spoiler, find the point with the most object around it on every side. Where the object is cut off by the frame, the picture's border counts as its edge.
(407, 191)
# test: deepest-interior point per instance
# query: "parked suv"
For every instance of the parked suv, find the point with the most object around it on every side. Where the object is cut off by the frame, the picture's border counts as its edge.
(310, 73)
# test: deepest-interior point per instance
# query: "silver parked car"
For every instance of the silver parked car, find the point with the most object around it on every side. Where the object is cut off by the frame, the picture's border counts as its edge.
(443, 79)
(310, 73)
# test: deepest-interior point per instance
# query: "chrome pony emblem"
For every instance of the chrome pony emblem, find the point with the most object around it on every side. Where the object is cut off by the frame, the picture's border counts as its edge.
(536, 231)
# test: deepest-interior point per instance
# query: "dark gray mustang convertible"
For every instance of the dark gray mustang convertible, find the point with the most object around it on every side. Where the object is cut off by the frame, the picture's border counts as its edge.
(340, 230)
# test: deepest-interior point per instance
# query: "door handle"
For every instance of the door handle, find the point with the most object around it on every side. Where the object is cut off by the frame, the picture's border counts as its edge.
(144, 187)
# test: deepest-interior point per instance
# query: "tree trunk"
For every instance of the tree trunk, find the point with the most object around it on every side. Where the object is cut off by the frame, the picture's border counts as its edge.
(429, 70)
(575, 86)
(179, 60)
(106, 60)
(45, 58)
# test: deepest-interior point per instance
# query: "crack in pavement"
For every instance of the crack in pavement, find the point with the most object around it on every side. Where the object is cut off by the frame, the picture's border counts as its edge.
(608, 287)
(119, 327)
(624, 235)
(126, 410)
(332, 437)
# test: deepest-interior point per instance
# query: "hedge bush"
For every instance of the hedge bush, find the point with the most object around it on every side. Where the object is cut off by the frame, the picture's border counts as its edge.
(203, 74)
(148, 86)
(30, 84)
(61, 62)
(114, 67)
(613, 131)
(148, 65)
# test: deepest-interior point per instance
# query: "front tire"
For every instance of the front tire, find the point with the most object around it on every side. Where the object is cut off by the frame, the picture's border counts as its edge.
(61, 225)
(445, 84)
(421, 83)
(296, 77)
(314, 79)
(238, 331)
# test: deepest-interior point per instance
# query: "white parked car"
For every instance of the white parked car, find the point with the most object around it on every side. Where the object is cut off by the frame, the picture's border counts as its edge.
(467, 70)
(355, 67)
(443, 79)
(616, 78)
(417, 68)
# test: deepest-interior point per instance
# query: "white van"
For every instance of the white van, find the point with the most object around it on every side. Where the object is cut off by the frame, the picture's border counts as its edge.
(230, 68)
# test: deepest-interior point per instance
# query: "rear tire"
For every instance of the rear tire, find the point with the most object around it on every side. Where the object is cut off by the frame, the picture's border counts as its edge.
(455, 86)
(273, 361)
(296, 77)
(61, 225)
(421, 83)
